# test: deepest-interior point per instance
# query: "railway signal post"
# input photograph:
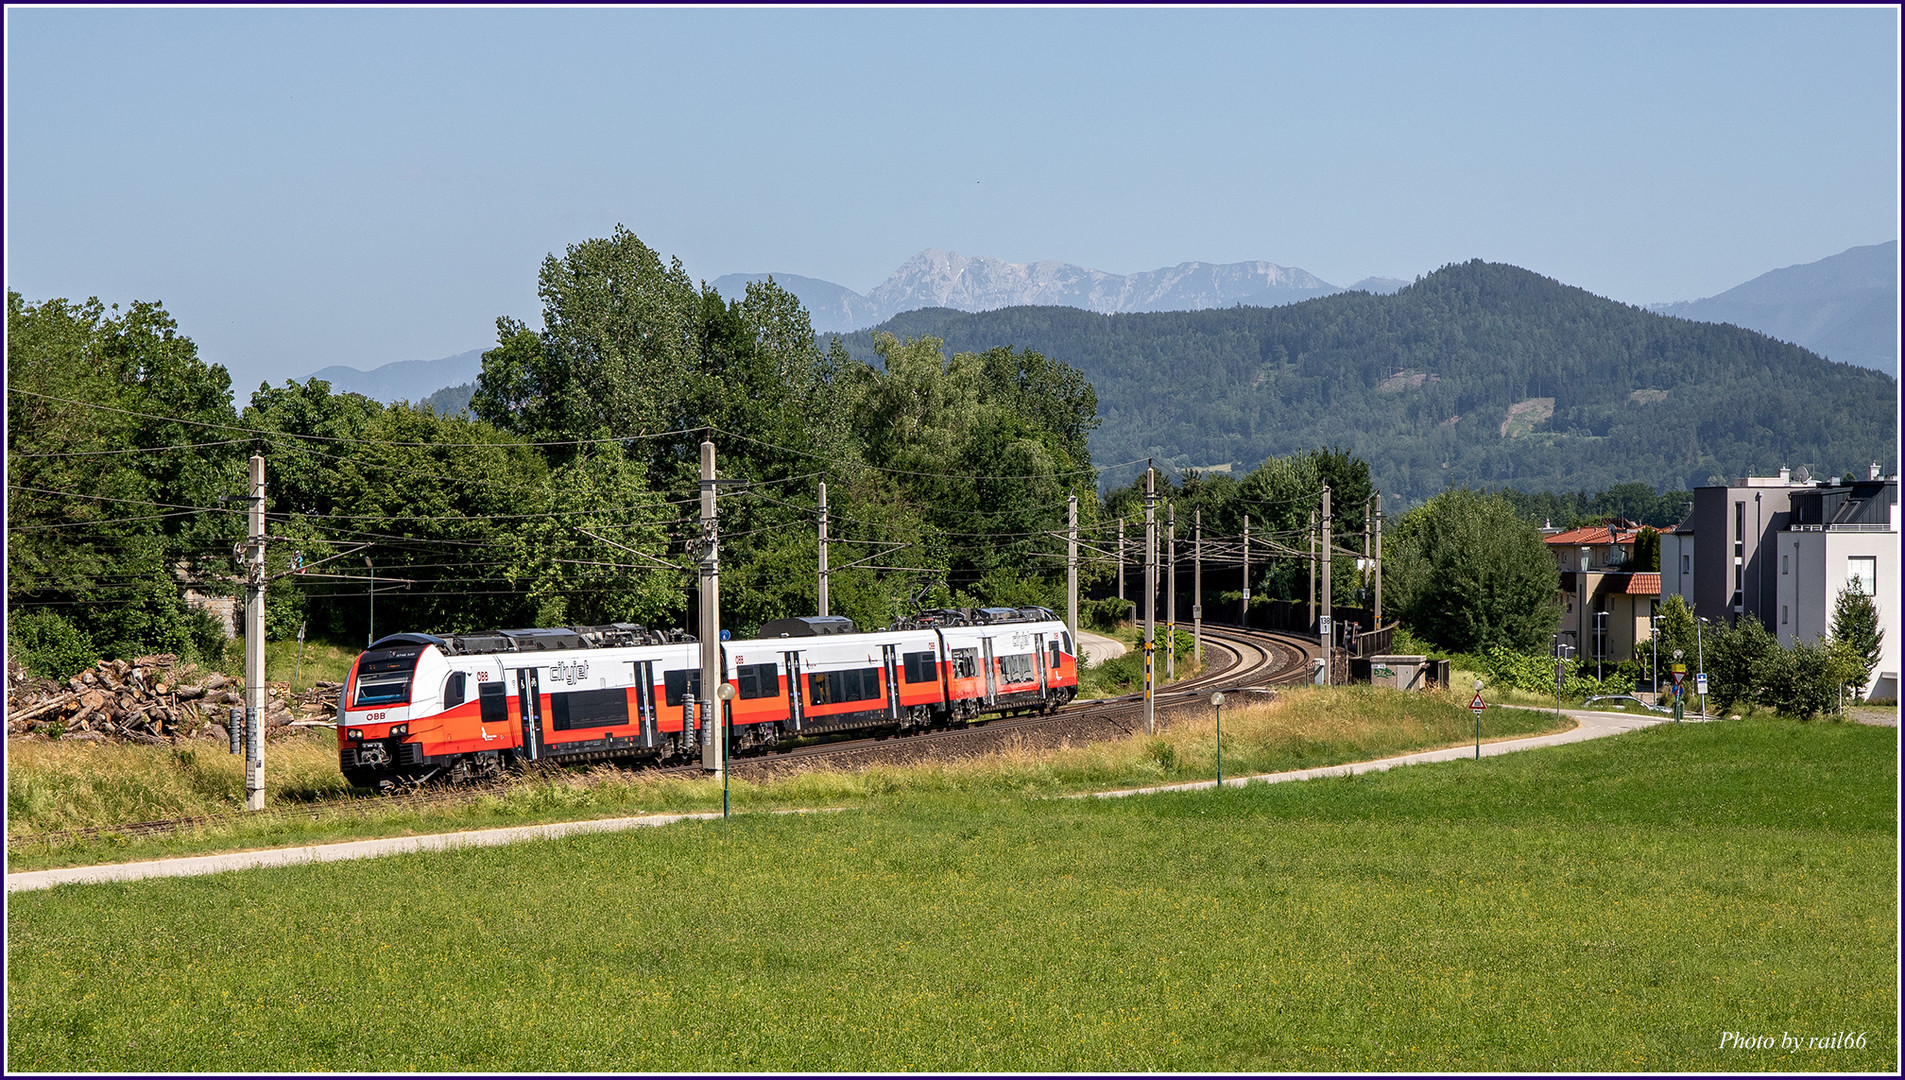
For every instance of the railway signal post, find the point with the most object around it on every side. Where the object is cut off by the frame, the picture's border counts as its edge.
(714, 745)
(255, 642)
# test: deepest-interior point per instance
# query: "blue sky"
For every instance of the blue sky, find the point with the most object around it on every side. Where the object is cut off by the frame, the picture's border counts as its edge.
(312, 187)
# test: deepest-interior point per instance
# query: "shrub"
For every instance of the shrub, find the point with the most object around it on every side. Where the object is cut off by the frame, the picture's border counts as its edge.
(50, 646)
(1104, 614)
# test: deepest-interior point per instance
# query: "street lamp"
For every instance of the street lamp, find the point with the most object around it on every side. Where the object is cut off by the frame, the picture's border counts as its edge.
(1561, 651)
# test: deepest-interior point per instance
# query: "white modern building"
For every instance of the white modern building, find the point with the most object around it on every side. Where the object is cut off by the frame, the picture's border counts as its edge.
(1841, 535)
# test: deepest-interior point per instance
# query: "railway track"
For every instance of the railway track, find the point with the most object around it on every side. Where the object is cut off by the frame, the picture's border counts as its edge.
(1245, 661)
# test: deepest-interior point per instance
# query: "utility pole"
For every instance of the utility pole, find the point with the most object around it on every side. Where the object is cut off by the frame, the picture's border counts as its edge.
(714, 749)
(1150, 599)
(1378, 612)
(1325, 627)
(255, 642)
(1121, 563)
(1362, 579)
(1197, 585)
(1245, 617)
(370, 594)
(1312, 568)
(823, 548)
(1170, 592)
(1071, 569)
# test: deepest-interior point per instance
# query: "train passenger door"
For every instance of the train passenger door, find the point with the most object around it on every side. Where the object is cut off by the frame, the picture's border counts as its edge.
(892, 682)
(645, 702)
(796, 712)
(992, 670)
(1038, 662)
(529, 704)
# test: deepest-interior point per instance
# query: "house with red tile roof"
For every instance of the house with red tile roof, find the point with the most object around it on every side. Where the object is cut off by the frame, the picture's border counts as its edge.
(1608, 600)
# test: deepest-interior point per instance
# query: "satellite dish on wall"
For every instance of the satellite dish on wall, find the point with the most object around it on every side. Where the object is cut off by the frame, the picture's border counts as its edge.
(1803, 475)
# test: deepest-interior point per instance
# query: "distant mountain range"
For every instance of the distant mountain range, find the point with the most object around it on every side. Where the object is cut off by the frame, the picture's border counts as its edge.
(1843, 307)
(947, 279)
(1479, 374)
(405, 380)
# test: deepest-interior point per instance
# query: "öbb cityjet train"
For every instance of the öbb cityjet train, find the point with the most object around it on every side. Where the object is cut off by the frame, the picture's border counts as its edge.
(461, 706)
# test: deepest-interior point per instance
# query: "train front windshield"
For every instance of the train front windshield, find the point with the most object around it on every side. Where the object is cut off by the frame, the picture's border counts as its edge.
(383, 676)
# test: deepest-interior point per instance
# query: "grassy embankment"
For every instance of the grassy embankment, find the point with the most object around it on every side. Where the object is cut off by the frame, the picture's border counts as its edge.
(63, 786)
(1125, 674)
(1615, 905)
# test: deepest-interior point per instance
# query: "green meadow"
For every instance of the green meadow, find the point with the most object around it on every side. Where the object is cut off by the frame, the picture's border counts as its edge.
(1621, 904)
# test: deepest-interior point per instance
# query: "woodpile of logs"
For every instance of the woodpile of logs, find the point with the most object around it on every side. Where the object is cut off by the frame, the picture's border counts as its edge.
(151, 699)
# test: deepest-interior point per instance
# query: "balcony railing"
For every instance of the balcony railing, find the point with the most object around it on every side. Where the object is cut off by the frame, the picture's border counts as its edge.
(1846, 527)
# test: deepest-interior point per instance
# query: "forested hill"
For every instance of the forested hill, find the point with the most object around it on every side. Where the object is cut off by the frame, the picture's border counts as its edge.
(1479, 374)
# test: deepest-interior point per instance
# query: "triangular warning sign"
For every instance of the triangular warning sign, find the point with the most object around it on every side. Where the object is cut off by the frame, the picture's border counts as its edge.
(1478, 703)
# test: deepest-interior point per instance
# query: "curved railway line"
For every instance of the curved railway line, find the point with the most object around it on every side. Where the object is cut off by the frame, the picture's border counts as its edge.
(1247, 661)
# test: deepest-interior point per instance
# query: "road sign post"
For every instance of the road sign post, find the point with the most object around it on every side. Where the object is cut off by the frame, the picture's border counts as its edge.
(1217, 702)
(1679, 672)
(1476, 706)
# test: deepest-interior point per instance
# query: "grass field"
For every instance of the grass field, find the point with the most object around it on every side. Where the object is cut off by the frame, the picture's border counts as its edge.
(1614, 905)
(54, 786)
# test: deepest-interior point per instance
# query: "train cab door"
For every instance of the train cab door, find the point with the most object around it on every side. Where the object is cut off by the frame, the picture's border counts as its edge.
(992, 670)
(888, 664)
(529, 704)
(645, 703)
(1038, 663)
(796, 710)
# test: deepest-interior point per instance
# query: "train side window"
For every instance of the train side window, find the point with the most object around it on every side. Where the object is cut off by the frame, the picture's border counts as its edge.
(491, 698)
(1054, 650)
(921, 667)
(965, 663)
(679, 684)
(1067, 635)
(758, 680)
(453, 690)
(834, 687)
(588, 709)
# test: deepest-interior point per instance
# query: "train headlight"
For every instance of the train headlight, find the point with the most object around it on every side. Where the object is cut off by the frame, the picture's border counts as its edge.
(400, 731)
(354, 733)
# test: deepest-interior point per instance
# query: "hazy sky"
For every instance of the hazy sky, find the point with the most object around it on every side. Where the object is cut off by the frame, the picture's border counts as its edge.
(312, 187)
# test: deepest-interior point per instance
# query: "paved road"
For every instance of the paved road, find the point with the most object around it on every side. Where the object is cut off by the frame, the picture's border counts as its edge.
(1593, 725)
(1099, 648)
(356, 849)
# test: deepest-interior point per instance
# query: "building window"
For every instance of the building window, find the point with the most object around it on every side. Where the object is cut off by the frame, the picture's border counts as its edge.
(1783, 560)
(1782, 614)
(1862, 574)
(1686, 564)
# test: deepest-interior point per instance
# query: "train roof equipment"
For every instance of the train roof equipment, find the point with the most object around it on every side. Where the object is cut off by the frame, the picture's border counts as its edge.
(808, 626)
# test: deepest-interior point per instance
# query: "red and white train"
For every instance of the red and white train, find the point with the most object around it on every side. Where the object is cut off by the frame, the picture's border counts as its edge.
(418, 706)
